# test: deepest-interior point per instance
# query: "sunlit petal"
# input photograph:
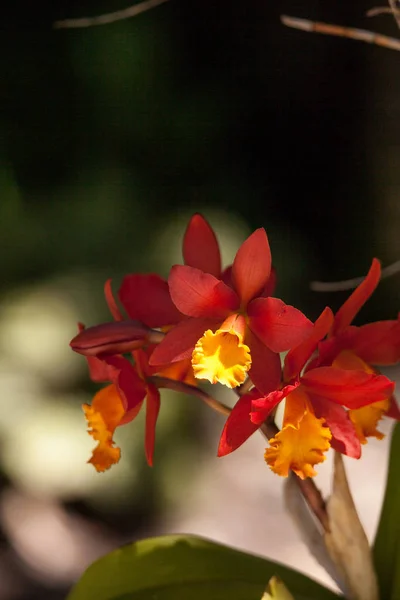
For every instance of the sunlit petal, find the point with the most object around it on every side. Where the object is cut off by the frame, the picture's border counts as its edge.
(277, 324)
(179, 342)
(299, 355)
(200, 246)
(266, 370)
(357, 299)
(199, 294)
(238, 426)
(365, 420)
(147, 299)
(252, 266)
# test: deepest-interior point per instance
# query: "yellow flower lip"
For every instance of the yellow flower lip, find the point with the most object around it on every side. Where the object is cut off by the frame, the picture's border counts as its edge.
(222, 357)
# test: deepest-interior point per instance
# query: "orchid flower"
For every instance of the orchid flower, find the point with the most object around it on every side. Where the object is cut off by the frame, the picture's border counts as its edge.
(315, 417)
(231, 328)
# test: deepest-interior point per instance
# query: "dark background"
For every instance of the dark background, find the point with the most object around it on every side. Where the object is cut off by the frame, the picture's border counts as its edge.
(109, 136)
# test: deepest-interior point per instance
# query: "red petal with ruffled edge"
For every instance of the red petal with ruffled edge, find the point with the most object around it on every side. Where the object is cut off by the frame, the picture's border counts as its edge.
(238, 427)
(152, 410)
(278, 325)
(199, 294)
(298, 356)
(131, 388)
(266, 370)
(378, 343)
(98, 369)
(200, 247)
(344, 437)
(110, 338)
(179, 343)
(252, 266)
(147, 299)
(350, 308)
(353, 389)
(261, 407)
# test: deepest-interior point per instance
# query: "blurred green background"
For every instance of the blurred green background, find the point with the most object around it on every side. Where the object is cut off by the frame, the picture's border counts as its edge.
(110, 138)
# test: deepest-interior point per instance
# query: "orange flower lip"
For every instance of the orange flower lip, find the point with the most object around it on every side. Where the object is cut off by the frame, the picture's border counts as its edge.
(303, 440)
(103, 417)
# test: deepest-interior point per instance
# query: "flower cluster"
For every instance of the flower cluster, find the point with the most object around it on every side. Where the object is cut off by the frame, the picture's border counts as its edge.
(225, 326)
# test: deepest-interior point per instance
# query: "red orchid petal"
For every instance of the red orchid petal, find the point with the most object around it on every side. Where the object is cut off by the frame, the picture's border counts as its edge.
(199, 294)
(269, 288)
(131, 414)
(110, 338)
(266, 370)
(331, 347)
(352, 389)
(98, 369)
(344, 437)
(262, 407)
(378, 343)
(200, 246)
(279, 325)
(238, 427)
(147, 299)
(111, 302)
(131, 388)
(298, 356)
(394, 410)
(141, 358)
(350, 308)
(152, 410)
(252, 266)
(178, 344)
(226, 276)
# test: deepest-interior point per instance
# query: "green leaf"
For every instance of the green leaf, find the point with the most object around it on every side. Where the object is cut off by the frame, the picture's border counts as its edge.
(188, 568)
(387, 541)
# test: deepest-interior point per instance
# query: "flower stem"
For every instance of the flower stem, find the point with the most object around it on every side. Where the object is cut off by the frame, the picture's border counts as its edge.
(307, 487)
(186, 388)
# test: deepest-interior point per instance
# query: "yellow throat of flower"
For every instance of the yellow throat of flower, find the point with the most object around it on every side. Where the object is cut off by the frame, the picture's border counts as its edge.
(221, 357)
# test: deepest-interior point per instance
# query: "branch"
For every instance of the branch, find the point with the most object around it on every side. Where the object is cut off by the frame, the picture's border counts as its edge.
(379, 10)
(395, 12)
(350, 284)
(362, 35)
(119, 15)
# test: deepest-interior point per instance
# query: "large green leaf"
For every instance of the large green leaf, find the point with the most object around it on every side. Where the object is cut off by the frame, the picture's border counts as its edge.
(188, 568)
(387, 541)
